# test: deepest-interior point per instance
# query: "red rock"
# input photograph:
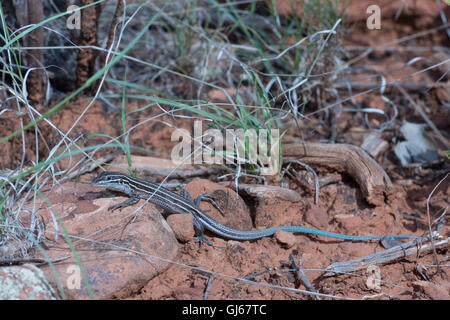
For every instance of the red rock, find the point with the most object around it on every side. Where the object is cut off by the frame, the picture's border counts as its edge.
(236, 214)
(434, 291)
(118, 255)
(182, 226)
(25, 282)
(287, 239)
(316, 216)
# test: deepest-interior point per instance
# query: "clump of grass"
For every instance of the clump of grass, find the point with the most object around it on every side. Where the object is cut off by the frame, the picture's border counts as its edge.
(277, 62)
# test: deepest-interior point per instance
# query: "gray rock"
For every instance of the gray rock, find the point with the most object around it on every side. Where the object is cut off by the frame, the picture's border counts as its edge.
(25, 282)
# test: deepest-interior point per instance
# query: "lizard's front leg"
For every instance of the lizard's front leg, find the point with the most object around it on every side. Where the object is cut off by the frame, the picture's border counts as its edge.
(129, 202)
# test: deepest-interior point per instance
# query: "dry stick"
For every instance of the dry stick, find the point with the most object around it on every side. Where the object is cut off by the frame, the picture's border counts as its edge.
(208, 287)
(163, 167)
(35, 59)
(393, 253)
(375, 184)
(369, 85)
(9, 262)
(114, 22)
(316, 179)
(300, 274)
(429, 220)
(89, 165)
(88, 37)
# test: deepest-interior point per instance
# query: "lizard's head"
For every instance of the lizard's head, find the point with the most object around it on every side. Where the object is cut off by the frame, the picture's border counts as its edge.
(112, 180)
